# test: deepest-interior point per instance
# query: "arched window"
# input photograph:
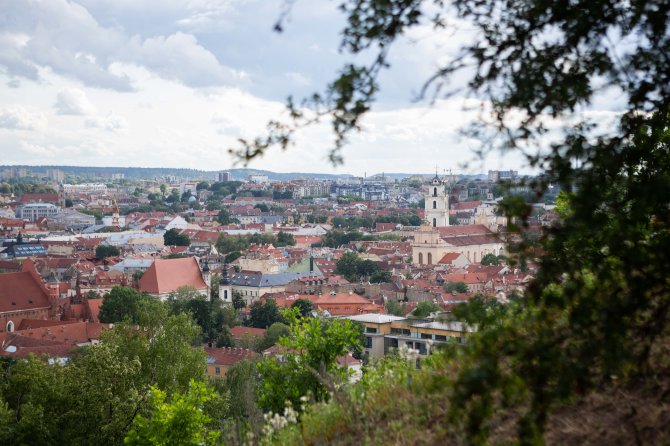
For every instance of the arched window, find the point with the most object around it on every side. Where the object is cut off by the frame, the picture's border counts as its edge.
(10, 327)
(420, 258)
(225, 294)
(434, 222)
(435, 192)
(430, 258)
(434, 204)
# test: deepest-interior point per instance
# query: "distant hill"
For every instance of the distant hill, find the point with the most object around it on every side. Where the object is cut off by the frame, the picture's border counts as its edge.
(195, 174)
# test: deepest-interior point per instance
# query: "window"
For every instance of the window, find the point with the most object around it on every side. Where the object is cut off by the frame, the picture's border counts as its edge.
(434, 204)
(217, 370)
(10, 326)
(434, 222)
(440, 338)
(225, 294)
(430, 258)
(370, 329)
(422, 348)
(368, 342)
(400, 331)
(426, 336)
(435, 192)
(420, 258)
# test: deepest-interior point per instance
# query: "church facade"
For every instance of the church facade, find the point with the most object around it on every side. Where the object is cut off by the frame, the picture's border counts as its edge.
(435, 238)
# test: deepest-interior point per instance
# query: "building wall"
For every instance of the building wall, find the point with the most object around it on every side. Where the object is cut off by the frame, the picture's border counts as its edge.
(17, 316)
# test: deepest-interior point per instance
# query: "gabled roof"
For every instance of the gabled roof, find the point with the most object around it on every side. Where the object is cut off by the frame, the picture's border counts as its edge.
(166, 275)
(22, 291)
(228, 356)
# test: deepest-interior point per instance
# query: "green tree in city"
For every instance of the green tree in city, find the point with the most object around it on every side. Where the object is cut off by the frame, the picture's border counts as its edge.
(173, 237)
(180, 420)
(456, 287)
(425, 308)
(309, 361)
(103, 251)
(490, 259)
(305, 306)
(264, 314)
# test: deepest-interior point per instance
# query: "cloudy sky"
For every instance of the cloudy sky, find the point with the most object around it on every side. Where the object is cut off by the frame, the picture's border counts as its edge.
(174, 83)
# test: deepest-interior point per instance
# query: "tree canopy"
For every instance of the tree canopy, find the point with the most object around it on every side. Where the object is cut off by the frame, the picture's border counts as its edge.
(600, 303)
(173, 237)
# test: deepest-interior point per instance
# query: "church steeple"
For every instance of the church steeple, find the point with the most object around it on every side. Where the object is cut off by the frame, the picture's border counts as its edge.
(437, 203)
(225, 290)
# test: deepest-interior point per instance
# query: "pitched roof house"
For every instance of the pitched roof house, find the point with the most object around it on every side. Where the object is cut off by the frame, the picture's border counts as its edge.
(166, 275)
(23, 295)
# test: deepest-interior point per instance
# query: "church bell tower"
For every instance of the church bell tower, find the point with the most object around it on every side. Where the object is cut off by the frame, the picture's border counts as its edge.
(437, 203)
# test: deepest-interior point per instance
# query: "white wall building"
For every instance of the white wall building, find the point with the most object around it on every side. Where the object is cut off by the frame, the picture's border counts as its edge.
(34, 211)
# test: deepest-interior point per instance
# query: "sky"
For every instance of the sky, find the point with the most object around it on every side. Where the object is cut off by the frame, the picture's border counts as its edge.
(175, 83)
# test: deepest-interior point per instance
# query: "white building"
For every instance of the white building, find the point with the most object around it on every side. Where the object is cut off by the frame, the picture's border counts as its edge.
(85, 188)
(437, 204)
(34, 211)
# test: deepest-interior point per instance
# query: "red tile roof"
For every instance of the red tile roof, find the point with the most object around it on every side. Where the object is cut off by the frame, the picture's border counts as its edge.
(22, 291)
(227, 355)
(166, 275)
(239, 332)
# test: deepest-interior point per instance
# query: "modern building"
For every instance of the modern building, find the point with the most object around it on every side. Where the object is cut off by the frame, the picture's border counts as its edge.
(502, 175)
(385, 333)
(224, 176)
(35, 211)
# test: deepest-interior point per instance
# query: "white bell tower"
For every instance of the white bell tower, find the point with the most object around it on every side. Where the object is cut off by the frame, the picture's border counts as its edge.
(437, 203)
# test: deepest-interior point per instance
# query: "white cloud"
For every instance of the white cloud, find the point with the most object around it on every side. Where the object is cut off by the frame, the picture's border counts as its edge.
(36, 149)
(110, 123)
(19, 118)
(73, 101)
(66, 38)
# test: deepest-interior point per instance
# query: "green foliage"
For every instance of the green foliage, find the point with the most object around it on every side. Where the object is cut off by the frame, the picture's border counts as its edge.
(285, 239)
(225, 338)
(425, 308)
(104, 387)
(354, 269)
(124, 303)
(395, 308)
(224, 217)
(229, 244)
(456, 287)
(174, 238)
(264, 314)
(180, 420)
(490, 259)
(304, 306)
(563, 207)
(309, 362)
(206, 313)
(263, 207)
(241, 384)
(380, 276)
(103, 251)
(238, 300)
(274, 332)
